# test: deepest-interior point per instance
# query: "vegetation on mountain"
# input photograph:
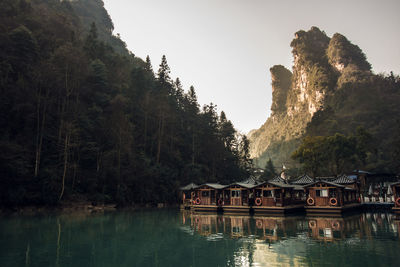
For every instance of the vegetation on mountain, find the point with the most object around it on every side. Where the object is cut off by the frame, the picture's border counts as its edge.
(333, 92)
(84, 119)
(333, 154)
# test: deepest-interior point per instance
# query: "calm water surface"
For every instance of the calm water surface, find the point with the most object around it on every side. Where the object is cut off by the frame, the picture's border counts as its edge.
(174, 238)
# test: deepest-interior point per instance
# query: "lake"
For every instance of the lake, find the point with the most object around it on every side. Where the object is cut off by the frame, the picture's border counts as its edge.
(169, 237)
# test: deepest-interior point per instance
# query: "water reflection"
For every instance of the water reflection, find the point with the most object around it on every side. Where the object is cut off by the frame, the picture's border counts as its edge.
(273, 229)
(299, 241)
(173, 238)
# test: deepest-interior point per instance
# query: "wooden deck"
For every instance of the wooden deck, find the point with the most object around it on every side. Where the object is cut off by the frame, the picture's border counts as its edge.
(331, 210)
(396, 210)
(213, 208)
(236, 209)
(277, 209)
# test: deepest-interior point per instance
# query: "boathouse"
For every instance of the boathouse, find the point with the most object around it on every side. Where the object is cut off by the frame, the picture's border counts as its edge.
(188, 193)
(325, 197)
(208, 197)
(277, 197)
(396, 196)
(238, 197)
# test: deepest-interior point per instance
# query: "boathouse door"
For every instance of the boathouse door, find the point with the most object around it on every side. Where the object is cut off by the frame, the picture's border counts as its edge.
(236, 199)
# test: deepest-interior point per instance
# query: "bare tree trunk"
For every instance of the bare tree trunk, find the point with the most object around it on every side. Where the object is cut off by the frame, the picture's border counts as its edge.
(40, 134)
(98, 161)
(160, 133)
(66, 144)
(119, 158)
(193, 148)
(171, 142)
(145, 121)
(39, 95)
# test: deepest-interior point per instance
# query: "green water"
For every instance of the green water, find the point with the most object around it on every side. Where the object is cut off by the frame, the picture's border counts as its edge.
(174, 238)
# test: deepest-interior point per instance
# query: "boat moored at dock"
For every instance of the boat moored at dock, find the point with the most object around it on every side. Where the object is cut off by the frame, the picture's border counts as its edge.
(325, 197)
(277, 197)
(330, 196)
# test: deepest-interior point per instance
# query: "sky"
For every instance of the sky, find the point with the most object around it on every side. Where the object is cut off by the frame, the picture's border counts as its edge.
(225, 48)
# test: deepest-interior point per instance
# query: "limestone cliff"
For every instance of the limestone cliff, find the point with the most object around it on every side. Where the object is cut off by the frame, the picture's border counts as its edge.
(295, 97)
(320, 96)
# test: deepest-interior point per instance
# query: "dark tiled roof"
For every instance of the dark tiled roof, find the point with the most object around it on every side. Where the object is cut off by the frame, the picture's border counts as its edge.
(395, 183)
(303, 180)
(251, 180)
(245, 185)
(279, 184)
(214, 185)
(277, 179)
(344, 179)
(326, 178)
(190, 186)
(327, 182)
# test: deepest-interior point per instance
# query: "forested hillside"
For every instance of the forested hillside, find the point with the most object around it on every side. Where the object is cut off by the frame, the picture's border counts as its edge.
(84, 119)
(331, 92)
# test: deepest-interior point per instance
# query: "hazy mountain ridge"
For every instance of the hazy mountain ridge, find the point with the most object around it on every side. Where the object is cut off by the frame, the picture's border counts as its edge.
(332, 89)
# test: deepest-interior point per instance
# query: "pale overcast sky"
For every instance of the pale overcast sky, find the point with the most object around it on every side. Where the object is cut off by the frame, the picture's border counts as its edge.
(224, 48)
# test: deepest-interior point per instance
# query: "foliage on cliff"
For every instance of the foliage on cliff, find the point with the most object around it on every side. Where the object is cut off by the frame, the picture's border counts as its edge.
(84, 118)
(333, 91)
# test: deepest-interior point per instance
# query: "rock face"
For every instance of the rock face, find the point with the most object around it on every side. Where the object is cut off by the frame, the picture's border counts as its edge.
(322, 65)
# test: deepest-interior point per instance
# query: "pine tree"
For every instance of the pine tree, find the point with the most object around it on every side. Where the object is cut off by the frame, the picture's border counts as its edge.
(164, 71)
(269, 171)
(148, 66)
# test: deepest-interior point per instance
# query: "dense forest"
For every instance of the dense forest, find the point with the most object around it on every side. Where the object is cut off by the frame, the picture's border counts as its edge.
(83, 119)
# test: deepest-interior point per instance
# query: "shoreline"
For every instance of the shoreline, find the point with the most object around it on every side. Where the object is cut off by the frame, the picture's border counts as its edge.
(86, 207)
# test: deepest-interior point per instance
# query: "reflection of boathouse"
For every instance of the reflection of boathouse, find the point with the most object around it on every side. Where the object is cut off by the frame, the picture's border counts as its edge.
(329, 197)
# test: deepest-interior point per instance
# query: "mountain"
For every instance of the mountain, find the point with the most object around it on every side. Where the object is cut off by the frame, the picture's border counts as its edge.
(331, 89)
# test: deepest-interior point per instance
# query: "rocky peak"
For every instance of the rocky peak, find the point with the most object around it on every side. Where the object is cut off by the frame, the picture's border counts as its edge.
(281, 83)
(309, 47)
(342, 53)
(311, 72)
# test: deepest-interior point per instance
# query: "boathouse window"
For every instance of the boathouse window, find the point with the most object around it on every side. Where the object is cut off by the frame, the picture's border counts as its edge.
(267, 193)
(205, 193)
(321, 192)
(235, 193)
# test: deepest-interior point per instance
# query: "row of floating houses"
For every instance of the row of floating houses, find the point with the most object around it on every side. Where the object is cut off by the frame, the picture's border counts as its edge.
(323, 195)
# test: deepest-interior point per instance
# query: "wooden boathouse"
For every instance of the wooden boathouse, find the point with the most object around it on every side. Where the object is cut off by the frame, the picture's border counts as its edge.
(325, 197)
(277, 197)
(237, 198)
(188, 193)
(396, 195)
(208, 197)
